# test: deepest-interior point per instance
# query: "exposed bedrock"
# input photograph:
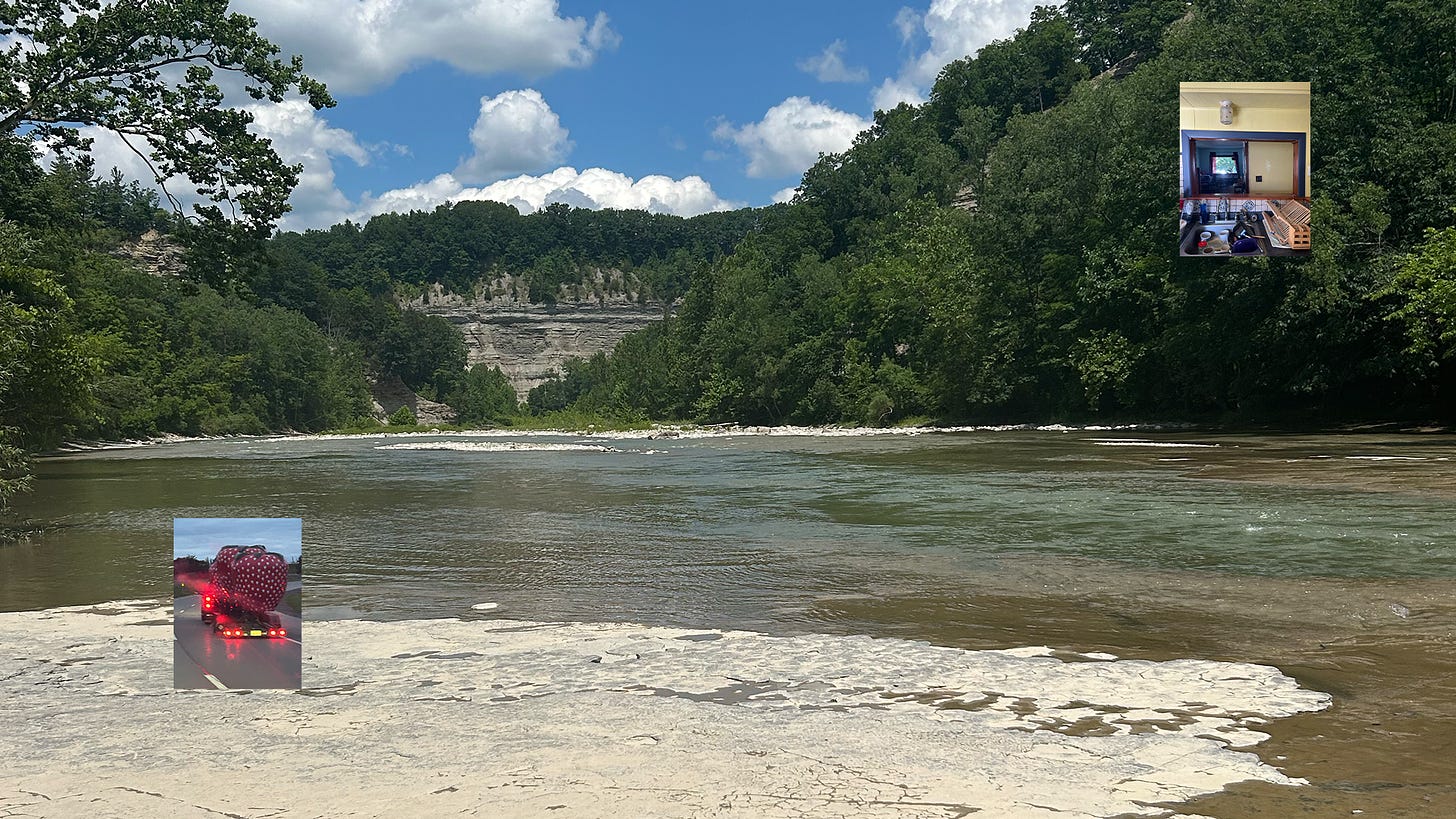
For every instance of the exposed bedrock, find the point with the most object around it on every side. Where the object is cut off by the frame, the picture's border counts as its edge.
(529, 342)
(505, 718)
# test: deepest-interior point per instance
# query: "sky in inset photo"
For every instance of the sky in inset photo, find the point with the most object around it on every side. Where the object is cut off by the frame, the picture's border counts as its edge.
(202, 537)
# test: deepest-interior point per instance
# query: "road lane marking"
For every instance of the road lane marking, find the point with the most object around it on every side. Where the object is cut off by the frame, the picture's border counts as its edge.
(215, 681)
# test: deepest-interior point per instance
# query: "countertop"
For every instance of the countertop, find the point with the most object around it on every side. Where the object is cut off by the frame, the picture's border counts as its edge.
(1266, 247)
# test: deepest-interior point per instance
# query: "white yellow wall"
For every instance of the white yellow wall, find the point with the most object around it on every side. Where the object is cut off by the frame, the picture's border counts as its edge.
(1258, 106)
(1274, 161)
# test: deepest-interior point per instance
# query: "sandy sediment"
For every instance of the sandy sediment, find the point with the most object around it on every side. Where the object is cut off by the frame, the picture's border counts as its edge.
(511, 718)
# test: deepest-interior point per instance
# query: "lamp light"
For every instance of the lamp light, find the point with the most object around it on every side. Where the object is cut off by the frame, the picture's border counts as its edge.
(1226, 112)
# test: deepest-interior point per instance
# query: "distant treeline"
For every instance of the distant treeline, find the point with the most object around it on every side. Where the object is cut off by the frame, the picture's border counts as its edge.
(1054, 291)
(286, 334)
(91, 347)
(458, 245)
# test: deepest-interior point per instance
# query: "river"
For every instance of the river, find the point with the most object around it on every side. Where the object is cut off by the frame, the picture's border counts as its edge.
(1332, 557)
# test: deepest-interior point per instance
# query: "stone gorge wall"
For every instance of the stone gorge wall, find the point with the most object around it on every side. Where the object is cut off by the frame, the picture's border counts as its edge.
(529, 342)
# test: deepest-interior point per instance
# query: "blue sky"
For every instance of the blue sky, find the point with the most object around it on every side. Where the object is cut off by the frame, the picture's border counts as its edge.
(202, 537)
(670, 106)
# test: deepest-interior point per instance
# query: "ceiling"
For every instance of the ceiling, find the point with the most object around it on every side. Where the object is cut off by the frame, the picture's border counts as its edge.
(1248, 94)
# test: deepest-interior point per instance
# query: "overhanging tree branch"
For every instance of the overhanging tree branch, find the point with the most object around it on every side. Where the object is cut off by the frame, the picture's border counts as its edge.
(78, 63)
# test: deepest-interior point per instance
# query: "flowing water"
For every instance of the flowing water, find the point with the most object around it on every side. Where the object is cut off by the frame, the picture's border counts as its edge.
(1330, 556)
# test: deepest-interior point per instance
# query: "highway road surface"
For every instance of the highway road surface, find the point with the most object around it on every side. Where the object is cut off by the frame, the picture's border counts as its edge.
(202, 659)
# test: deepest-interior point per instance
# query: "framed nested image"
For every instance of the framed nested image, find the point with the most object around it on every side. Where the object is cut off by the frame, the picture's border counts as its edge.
(237, 603)
(1244, 151)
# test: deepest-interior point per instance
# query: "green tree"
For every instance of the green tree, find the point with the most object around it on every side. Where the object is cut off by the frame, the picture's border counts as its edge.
(46, 366)
(71, 63)
(485, 396)
(426, 352)
(1424, 292)
(1112, 30)
(14, 469)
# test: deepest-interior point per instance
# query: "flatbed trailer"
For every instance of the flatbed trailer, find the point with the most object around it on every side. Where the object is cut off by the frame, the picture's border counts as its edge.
(231, 620)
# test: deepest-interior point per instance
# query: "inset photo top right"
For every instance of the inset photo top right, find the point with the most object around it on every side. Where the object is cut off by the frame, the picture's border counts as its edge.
(1245, 149)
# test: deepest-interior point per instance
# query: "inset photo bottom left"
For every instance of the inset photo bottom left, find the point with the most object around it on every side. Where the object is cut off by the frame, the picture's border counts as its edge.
(237, 603)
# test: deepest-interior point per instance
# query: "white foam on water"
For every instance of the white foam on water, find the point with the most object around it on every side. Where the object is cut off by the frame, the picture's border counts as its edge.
(1384, 458)
(689, 431)
(1160, 444)
(512, 718)
(501, 446)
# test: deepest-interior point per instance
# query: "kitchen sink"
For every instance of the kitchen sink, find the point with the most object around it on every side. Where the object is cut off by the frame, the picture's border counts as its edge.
(1219, 236)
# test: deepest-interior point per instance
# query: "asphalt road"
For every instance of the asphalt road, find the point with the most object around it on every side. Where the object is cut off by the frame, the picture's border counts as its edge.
(202, 659)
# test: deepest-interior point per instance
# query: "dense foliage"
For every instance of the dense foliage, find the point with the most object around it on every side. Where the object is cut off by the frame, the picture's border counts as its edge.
(1006, 250)
(92, 347)
(458, 245)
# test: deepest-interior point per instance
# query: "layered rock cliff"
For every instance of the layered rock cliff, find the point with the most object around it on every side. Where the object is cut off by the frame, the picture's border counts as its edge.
(529, 342)
(154, 253)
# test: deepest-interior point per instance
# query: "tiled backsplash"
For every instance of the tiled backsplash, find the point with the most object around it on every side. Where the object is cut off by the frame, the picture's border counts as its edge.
(1190, 206)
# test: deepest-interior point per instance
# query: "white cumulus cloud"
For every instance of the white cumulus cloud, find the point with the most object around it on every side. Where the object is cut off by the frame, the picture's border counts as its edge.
(953, 29)
(828, 65)
(791, 136)
(593, 188)
(358, 45)
(516, 131)
(300, 135)
(890, 93)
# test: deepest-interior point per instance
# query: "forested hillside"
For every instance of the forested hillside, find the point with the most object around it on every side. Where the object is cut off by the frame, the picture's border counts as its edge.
(458, 245)
(1055, 291)
(92, 347)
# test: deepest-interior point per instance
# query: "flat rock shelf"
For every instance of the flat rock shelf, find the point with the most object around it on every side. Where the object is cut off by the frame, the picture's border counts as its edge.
(515, 718)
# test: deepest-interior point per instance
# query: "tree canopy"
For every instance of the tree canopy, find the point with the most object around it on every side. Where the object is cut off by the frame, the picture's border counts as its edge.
(147, 70)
